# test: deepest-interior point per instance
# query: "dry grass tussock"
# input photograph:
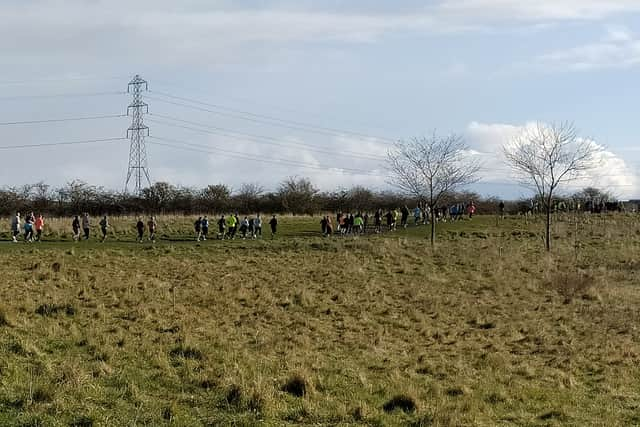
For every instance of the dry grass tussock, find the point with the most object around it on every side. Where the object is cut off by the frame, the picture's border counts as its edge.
(310, 331)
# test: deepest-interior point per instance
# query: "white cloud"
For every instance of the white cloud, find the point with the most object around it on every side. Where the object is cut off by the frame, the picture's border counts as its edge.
(327, 171)
(612, 172)
(217, 32)
(535, 11)
(619, 48)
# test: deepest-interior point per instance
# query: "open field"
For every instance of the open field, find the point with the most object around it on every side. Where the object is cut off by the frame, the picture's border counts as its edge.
(379, 330)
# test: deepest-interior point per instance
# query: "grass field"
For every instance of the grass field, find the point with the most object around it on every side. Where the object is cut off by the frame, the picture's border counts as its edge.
(487, 329)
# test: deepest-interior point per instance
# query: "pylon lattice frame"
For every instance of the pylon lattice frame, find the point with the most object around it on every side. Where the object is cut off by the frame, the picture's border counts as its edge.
(138, 170)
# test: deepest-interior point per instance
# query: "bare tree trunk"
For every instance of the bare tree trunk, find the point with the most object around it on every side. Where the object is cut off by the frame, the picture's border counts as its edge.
(548, 229)
(433, 226)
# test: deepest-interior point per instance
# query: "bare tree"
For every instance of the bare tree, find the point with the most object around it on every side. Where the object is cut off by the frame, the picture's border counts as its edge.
(546, 156)
(428, 168)
(216, 197)
(248, 198)
(297, 195)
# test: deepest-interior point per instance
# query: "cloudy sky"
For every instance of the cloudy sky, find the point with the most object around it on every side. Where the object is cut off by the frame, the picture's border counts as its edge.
(257, 91)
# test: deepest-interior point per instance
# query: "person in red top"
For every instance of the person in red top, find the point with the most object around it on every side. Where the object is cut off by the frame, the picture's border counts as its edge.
(39, 227)
(471, 209)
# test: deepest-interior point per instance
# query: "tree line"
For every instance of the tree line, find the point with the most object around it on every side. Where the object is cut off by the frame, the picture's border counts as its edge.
(294, 195)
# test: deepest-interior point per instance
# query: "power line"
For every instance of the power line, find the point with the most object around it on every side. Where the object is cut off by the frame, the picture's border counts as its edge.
(264, 119)
(66, 119)
(61, 79)
(61, 95)
(235, 154)
(259, 138)
(51, 144)
(271, 106)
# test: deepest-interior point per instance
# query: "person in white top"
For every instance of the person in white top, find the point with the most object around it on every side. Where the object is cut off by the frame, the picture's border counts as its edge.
(15, 227)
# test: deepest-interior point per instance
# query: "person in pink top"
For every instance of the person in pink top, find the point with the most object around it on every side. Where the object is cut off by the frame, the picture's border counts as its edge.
(39, 227)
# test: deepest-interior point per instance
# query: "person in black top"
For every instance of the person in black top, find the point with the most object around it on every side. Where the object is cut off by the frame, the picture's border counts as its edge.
(222, 224)
(389, 220)
(404, 216)
(76, 228)
(274, 226)
(205, 227)
(252, 228)
(140, 227)
(104, 225)
(197, 226)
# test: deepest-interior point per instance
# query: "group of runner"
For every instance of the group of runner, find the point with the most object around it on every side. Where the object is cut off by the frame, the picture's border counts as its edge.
(359, 223)
(231, 225)
(32, 227)
(84, 225)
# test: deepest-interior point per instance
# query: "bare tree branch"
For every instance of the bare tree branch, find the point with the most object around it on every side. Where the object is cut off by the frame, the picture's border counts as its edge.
(428, 168)
(544, 157)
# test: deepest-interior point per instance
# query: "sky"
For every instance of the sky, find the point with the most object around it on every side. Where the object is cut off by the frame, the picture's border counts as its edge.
(258, 91)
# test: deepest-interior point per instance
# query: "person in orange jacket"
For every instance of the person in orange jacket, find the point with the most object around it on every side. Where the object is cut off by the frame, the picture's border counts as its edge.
(39, 227)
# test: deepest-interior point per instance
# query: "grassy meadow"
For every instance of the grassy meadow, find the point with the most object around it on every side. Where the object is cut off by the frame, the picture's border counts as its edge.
(486, 329)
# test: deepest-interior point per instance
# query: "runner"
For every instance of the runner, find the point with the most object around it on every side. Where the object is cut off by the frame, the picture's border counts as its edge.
(404, 218)
(86, 226)
(244, 227)
(377, 221)
(274, 226)
(15, 227)
(205, 228)
(221, 226)
(140, 228)
(389, 220)
(152, 229)
(417, 213)
(471, 209)
(329, 228)
(358, 222)
(75, 225)
(252, 228)
(396, 216)
(257, 224)
(39, 227)
(197, 226)
(231, 227)
(104, 225)
(28, 228)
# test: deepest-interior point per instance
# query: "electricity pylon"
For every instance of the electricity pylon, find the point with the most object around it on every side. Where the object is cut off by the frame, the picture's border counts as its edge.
(136, 133)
